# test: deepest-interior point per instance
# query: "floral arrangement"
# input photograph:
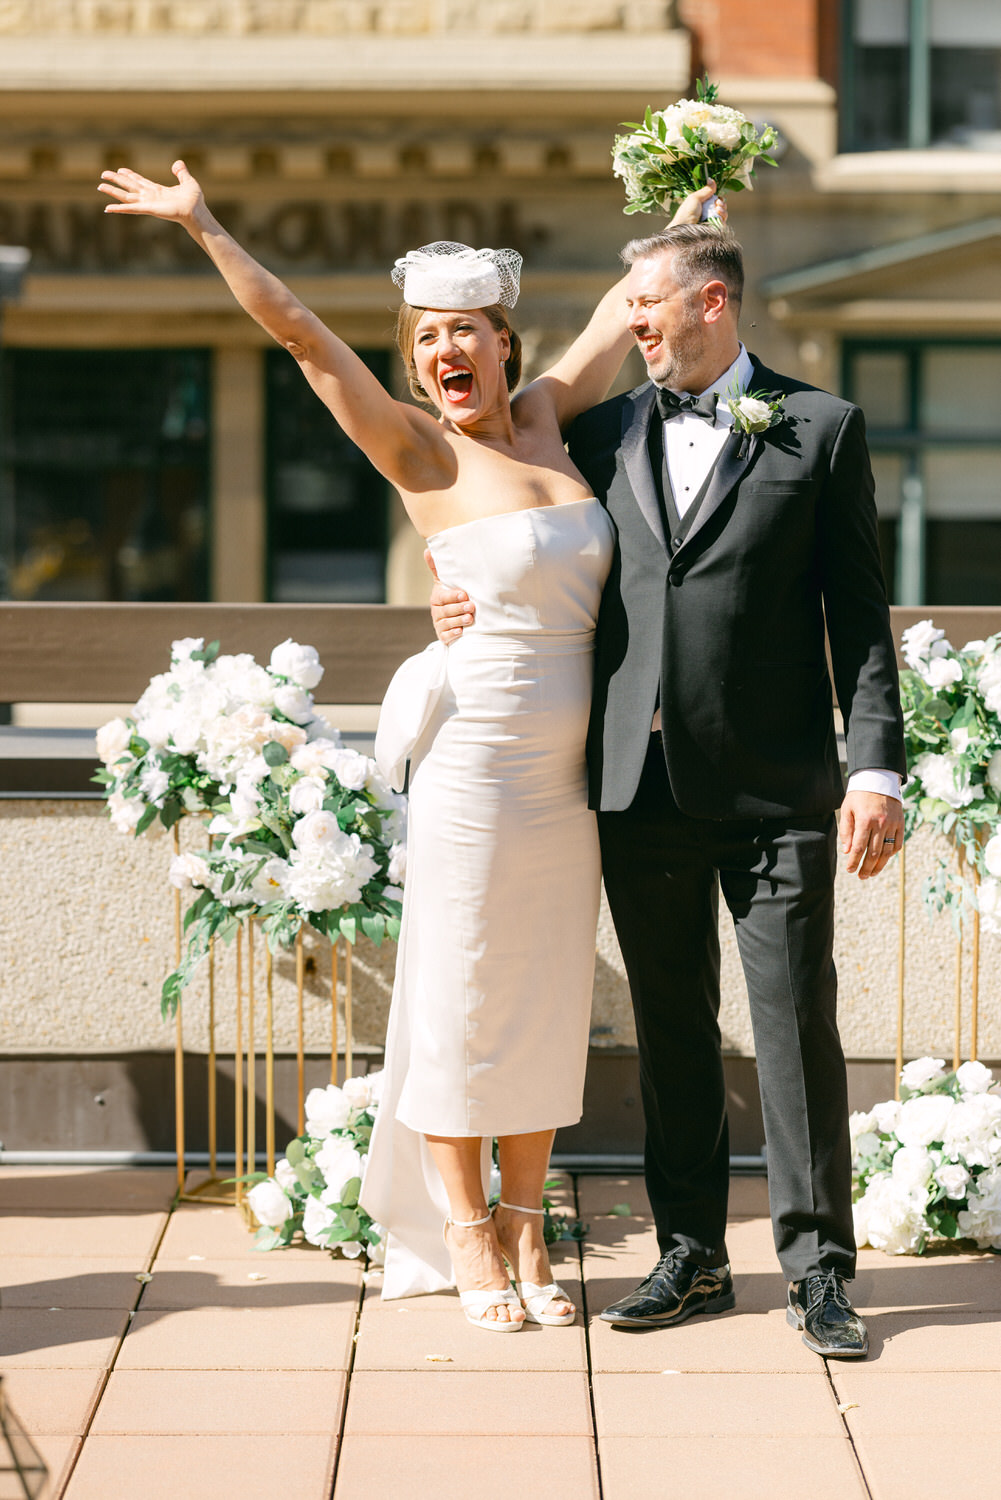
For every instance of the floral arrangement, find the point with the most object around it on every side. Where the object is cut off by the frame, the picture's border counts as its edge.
(676, 151)
(302, 829)
(952, 724)
(316, 1184)
(928, 1166)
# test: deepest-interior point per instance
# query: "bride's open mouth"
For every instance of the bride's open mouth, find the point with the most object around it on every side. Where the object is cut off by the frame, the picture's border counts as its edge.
(457, 384)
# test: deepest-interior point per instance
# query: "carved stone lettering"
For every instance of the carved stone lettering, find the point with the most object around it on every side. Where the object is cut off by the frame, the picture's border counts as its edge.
(298, 235)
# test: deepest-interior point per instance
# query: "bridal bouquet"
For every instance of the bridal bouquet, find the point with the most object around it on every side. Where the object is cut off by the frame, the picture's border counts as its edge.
(952, 723)
(928, 1166)
(675, 151)
(316, 1184)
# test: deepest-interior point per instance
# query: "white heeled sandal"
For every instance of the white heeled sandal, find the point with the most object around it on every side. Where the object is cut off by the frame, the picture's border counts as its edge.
(537, 1298)
(476, 1304)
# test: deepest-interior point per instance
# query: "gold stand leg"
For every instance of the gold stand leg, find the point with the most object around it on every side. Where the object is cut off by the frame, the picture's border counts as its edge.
(902, 912)
(269, 1066)
(958, 1021)
(349, 1064)
(178, 1037)
(251, 1059)
(333, 1012)
(300, 1054)
(213, 1133)
(975, 982)
(238, 1070)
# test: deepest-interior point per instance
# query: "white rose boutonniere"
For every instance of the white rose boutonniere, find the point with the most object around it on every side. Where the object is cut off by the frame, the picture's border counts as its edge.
(752, 411)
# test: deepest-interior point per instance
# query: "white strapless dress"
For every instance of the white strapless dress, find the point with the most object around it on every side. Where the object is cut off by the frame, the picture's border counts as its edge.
(488, 1030)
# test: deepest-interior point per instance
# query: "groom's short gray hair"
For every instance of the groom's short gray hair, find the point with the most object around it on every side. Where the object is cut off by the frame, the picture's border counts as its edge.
(702, 252)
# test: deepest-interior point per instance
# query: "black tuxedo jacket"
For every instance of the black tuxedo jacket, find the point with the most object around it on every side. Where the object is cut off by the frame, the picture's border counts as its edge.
(728, 628)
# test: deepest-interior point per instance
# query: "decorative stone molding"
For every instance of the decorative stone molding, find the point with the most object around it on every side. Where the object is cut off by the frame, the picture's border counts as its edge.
(329, 17)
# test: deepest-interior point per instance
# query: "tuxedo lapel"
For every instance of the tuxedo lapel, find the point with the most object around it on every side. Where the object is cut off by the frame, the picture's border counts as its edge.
(728, 471)
(636, 458)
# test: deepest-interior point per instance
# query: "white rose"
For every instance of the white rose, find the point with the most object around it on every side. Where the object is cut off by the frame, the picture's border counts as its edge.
(375, 1082)
(124, 812)
(351, 769)
(317, 831)
(918, 641)
(972, 1130)
(315, 757)
(113, 740)
(959, 740)
(885, 1116)
(753, 415)
(326, 1110)
(269, 1204)
(974, 1078)
(723, 133)
(340, 1163)
(913, 1167)
(923, 1119)
(923, 1070)
(989, 904)
(306, 796)
(285, 1175)
(866, 1144)
(989, 683)
(954, 1179)
(940, 671)
(992, 856)
(294, 703)
(300, 664)
(358, 1093)
(316, 1218)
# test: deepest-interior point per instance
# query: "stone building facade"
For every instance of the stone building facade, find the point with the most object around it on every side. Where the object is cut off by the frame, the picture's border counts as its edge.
(154, 446)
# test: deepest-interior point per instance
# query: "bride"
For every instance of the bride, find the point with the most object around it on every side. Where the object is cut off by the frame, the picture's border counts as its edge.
(489, 1023)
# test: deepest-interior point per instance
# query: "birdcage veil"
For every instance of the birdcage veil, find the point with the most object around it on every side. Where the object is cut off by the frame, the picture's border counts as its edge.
(457, 278)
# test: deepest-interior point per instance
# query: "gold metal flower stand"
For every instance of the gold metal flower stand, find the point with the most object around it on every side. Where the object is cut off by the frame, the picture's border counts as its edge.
(22, 1469)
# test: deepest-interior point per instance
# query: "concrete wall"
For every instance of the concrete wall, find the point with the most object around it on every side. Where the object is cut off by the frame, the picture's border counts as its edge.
(87, 916)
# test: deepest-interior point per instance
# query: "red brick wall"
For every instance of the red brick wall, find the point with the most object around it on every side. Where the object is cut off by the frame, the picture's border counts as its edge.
(762, 38)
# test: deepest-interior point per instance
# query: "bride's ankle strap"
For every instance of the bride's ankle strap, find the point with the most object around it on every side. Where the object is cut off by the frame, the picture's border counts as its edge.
(470, 1223)
(519, 1209)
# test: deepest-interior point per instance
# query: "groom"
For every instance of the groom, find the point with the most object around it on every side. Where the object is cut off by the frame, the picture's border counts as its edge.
(713, 766)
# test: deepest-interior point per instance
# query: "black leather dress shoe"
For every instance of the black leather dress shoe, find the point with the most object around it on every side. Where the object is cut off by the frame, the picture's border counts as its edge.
(675, 1289)
(819, 1306)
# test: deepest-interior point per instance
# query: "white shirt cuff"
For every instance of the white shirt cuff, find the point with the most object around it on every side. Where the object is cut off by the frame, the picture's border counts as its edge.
(887, 783)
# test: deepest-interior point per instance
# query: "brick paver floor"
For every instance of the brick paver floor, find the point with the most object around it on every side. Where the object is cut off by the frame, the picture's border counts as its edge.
(152, 1353)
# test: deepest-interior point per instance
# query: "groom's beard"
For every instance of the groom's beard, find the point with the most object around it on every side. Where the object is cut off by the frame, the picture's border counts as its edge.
(683, 353)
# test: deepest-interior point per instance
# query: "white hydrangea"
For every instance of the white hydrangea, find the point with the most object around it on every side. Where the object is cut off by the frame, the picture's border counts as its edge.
(946, 778)
(913, 1167)
(973, 1130)
(890, 1217)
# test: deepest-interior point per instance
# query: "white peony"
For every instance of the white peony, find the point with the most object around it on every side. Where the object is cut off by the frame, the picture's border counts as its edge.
(317, 832)
(953, 1179)
(285, 1175)
(316, 1218)
(946, 778)
(973, 1131)
(187, 870)
(922, 1071)
(992, 856)
(724, 133)
(340, 1162)
(989, 904)
(268, 883)
(989, 682)
(300, 664)
(113, 740)
(269, 1204)
(890, 1217)
(324, 879)
(315, 757)
(974, 1078)
(358, 1092)
(924, 1119)
(294, 702)
(351, 769)
(885, 1116)
(326, 1110)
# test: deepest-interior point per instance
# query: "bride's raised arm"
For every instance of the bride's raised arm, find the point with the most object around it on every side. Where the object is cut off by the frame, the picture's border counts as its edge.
(582, 376)
(398, 438)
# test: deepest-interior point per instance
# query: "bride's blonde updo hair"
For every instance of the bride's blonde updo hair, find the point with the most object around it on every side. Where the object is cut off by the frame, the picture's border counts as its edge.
(406, 328)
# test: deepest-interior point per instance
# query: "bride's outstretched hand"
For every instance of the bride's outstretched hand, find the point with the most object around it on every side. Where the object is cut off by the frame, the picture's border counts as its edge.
(135, 194)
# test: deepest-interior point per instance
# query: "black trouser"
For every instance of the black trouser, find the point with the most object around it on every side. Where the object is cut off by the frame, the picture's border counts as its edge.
(663, 872)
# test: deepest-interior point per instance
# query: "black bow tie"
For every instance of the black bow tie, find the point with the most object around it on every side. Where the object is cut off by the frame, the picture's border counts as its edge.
(670, 405)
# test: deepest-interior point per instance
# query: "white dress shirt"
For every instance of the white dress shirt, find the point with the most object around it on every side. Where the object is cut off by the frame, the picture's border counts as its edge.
(691, 447)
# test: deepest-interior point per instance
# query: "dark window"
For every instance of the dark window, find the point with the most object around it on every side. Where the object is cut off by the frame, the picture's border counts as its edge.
(327, 506)
(104, 468)
(920, 73)
(934, 423)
